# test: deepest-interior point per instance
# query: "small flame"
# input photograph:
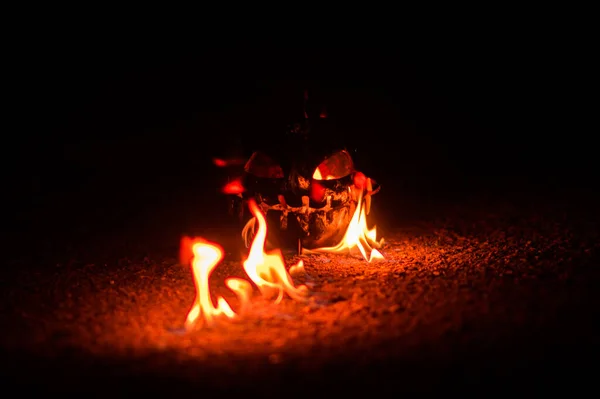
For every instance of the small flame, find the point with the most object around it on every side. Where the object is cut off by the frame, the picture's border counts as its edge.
(358, 235)
(267, 269)
(205, 257)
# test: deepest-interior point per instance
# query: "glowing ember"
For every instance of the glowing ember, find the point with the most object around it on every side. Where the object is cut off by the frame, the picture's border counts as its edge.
(360, 180)
(234, 187)
(358, 236)
(267, 269)
(228, 162)
(220, 162)
(205, 258)
(317, 191)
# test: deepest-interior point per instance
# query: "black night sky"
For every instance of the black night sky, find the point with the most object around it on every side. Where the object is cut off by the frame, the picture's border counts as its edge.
(488, 194)
(109, 133)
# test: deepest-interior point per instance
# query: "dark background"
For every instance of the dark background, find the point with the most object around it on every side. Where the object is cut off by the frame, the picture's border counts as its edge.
(110, 142)
(109, 135)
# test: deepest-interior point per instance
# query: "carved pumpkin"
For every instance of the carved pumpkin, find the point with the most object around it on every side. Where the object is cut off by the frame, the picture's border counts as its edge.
(308, 188)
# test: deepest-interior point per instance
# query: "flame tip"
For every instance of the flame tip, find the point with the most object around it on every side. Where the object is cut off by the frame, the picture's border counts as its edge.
(358, 235)
(265, 269)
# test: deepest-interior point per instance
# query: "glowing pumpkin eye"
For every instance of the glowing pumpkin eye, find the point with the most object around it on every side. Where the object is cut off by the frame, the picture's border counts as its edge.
(334, 167)
(261, 165)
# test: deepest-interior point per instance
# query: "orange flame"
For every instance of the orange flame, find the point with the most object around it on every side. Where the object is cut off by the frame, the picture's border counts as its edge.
(205, 258)
(267, 269)
(358, 235)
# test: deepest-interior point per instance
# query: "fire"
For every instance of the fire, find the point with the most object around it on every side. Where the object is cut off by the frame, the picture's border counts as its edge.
(205, 258)
(266, 269)
(358, 235)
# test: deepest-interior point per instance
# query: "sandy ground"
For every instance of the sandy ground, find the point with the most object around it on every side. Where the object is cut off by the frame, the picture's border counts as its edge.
(497, 298)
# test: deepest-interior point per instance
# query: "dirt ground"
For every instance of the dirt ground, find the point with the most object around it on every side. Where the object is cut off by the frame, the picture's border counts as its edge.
(475, 299)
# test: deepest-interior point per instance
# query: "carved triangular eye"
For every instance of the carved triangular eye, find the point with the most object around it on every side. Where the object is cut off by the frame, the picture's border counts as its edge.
(334, 167)
(261, 165)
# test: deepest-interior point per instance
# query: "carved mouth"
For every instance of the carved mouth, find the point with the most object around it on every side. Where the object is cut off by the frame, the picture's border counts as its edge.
(315, 210)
